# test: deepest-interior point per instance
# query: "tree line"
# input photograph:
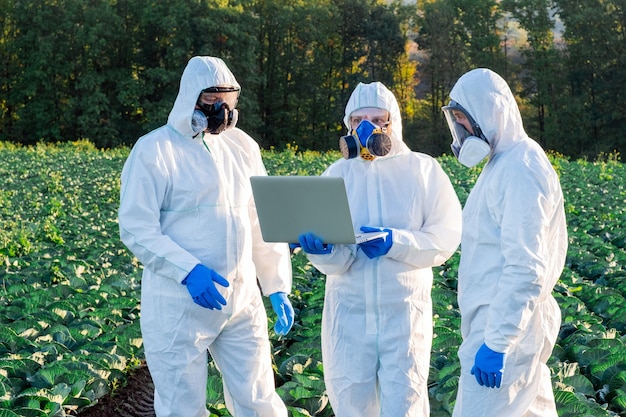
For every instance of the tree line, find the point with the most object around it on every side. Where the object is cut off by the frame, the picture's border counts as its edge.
(109, 70)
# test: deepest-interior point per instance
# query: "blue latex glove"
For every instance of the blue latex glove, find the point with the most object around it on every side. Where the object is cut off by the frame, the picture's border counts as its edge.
(283, 309)
(376, 247)
(314, 245)
(201, 286)
(488, 367)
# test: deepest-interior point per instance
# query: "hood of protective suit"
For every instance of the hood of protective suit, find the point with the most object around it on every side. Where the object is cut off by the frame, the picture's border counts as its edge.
(377, 95)
(201, 72)
(488, 98)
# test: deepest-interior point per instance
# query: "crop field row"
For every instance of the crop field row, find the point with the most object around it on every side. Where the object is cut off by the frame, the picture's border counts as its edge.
(69, 290)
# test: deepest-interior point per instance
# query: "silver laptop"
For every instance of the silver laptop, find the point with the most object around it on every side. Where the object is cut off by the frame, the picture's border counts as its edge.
(289, 206)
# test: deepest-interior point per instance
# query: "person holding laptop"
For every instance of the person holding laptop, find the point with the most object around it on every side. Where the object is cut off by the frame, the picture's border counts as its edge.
(377, 317)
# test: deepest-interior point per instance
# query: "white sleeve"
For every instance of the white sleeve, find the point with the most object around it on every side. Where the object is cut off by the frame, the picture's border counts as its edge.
(440, 235)
(525, 207)
(335, 263)
(272, 260)
(143, 186)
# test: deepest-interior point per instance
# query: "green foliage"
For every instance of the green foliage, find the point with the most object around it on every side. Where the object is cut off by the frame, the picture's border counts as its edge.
(562, 59)
(69, 290)
(109, 70)
(290, 161)
(67, 287)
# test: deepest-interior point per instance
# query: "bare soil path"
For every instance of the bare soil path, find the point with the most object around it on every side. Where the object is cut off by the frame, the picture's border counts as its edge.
(135, 399)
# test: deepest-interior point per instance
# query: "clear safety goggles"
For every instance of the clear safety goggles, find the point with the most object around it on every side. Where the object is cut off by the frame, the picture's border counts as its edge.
(462, 125)
(216, 96)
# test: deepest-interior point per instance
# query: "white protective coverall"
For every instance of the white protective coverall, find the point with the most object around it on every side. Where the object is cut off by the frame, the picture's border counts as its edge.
(512, 254)
(377, 318)
(186, 201)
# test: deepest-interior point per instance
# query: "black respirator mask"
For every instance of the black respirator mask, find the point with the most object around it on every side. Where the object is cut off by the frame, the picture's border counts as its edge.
(367, 140)
(216, 117)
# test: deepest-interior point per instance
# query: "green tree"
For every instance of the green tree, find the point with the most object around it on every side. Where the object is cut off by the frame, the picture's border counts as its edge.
(9, 65)
(456, 37)
(229, 30)
(165, 37)
(481, 33)
(109, 70)
(312, 55)
(43, 48)
(96, 110)
(443, 60)
(542, 61)
(592, 103)
(289, 33)
(73, 70)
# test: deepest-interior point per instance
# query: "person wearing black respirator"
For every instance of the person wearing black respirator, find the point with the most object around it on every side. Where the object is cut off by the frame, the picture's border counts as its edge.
(216, 110)
(187, 213)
